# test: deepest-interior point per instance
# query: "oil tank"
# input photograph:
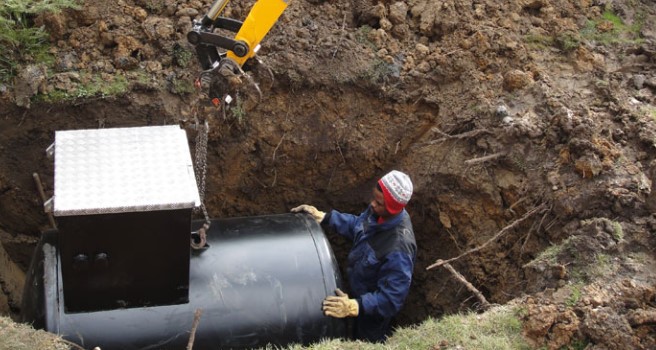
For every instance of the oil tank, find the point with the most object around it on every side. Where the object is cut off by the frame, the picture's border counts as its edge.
(119, 271)
(259, 280)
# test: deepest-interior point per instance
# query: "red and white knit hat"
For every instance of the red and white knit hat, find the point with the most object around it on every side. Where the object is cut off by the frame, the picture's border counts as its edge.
(397, 190)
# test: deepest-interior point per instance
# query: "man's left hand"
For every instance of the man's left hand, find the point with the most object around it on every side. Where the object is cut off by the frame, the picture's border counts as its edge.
(340, 306)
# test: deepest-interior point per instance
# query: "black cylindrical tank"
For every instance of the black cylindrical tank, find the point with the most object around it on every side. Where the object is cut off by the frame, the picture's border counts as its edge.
(261, 281)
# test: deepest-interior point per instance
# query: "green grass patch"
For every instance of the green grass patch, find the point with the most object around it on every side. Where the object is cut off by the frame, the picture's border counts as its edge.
(497, 329)
(610, 29)
(550, 255)
(182, 86)
(238, 112)
(618, 232)
(94, 86)
(575, 295)
(182, 56)
(565, 41)
(22, 42)
(601, 267)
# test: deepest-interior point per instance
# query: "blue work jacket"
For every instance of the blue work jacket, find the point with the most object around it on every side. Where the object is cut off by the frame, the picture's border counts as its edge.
(379, 267)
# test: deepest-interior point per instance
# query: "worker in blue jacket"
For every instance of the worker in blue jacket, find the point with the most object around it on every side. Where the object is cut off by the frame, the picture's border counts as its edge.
(381, 260)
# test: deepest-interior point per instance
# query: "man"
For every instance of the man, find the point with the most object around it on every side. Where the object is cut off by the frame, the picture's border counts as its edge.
(381, 260)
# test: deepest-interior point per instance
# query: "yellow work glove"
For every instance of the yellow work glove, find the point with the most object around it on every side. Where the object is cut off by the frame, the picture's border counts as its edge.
(340, 306)
(314, 212)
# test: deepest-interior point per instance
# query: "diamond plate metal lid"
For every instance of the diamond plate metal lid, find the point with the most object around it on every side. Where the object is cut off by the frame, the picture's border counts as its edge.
(121, 170)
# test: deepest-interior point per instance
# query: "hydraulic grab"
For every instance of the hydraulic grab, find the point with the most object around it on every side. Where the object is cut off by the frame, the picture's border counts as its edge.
(224, 59)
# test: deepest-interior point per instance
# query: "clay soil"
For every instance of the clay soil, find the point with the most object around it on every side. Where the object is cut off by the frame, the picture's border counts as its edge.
(528, 121)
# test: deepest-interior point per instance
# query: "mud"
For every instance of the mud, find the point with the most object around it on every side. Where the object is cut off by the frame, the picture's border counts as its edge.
(493, 109)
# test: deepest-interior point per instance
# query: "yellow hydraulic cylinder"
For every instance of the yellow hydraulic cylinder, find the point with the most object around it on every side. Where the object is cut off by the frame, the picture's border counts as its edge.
(216, 9)
(258, 23)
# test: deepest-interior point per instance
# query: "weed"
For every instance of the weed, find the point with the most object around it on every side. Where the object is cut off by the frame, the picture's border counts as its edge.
(575, 296)
(95, 87)
(154, 6)
(579, 344)
(568, 42)
(238, 112)
(618, 233)
(182, 56)
(379, 72)
(577, 275)
(648, 112)
(521, 312)
(182, 86)
(22, 42)
(550, 254)
(610, 29)
(362, 36)
(602, 266)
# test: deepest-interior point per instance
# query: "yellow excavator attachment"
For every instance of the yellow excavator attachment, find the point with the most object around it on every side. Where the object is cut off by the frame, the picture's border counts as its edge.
(263, 16)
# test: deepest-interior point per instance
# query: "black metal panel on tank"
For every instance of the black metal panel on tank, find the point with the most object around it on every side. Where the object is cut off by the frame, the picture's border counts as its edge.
(123, 199)
(261, 281)
(111, 261)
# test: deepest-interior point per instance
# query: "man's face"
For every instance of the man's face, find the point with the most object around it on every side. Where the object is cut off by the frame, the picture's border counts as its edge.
(378, 203)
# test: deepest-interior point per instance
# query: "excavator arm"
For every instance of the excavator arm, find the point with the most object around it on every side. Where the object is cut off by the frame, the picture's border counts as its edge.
(220, 56)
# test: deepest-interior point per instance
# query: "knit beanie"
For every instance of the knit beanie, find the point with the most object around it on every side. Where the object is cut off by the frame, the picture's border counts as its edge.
(397, 190)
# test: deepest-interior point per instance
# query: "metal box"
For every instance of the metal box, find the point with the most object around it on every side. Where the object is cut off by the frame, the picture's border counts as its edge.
(122, 200)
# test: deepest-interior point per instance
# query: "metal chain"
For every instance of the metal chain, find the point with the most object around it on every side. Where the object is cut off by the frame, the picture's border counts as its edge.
(200, 164)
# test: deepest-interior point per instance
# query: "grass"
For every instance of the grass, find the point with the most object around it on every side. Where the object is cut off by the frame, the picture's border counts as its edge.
(550, 255)
(18, 336)
(182, 87)
(610, 29)
(618, 233)
(362, 36)
(575, 295)
(21, 42)
(378, 71)
(601, 267)
(497, 329)
(94, 86)
(182, 56)
(238, 112)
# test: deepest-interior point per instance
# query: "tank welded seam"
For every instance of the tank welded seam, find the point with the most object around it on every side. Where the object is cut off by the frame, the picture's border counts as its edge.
(316, 247)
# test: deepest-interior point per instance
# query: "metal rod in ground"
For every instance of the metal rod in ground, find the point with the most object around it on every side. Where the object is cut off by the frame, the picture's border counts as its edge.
(42, 193)
(194, 326)
(484, 303)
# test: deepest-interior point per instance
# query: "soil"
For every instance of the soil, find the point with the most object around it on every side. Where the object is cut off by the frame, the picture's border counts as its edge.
(493, 108)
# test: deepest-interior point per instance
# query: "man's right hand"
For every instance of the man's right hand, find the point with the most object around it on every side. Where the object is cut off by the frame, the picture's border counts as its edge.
(316, 214)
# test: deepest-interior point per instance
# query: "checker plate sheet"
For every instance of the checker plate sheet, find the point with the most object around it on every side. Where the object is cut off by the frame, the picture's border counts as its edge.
(120, 170)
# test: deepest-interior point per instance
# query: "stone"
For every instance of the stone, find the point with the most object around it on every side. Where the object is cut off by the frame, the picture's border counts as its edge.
(516, 79)
(28, 83)
(398, 12)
